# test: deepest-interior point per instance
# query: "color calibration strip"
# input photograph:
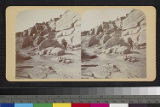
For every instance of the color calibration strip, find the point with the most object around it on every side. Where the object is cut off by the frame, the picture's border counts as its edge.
(75, 105)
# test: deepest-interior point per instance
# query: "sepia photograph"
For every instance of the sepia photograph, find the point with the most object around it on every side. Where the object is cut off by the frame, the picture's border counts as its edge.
(48, 44)
(92, 43)
(113, 44)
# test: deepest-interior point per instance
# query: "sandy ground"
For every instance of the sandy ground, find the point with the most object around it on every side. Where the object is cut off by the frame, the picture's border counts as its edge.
(127, 69)
(58, 70)
(36, 67)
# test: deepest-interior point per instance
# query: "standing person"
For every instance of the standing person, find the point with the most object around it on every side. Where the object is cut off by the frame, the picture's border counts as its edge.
(64, 43)
(130, 41)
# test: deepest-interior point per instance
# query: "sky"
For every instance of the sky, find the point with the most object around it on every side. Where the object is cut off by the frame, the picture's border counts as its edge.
(29, 18)
(90, 18)
(93, 18)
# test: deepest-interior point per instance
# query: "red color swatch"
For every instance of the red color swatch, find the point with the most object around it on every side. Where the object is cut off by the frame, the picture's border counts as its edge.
(80, 105)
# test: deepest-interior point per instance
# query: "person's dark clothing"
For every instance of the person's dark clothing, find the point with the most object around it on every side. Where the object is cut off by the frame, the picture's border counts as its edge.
(130, 43)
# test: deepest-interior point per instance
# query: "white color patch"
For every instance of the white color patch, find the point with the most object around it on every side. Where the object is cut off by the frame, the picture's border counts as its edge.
(118, 105)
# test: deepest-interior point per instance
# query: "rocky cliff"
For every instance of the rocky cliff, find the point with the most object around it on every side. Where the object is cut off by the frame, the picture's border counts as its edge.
(116, 36)
(51, 33)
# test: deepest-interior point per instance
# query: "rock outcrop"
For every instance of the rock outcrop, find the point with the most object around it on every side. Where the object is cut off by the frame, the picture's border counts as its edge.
(52, 32)
(113, 36)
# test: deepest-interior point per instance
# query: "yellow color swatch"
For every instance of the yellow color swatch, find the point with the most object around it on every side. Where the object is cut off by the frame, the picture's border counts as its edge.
(61, 104)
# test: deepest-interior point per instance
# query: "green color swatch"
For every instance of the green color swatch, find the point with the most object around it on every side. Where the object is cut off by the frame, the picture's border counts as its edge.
(42, 105)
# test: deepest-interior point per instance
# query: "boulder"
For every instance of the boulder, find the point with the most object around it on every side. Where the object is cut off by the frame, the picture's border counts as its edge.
(49, 43)
(113, 41)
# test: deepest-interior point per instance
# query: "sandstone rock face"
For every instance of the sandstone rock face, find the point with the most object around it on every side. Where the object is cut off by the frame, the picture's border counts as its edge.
(50, 34)
(67, 20)
(134, 27)
(135, 18)
(113, 35)
(68, 28)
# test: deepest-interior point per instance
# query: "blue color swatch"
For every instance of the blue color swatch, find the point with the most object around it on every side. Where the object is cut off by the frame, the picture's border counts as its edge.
(7, 105)
(23, 105)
